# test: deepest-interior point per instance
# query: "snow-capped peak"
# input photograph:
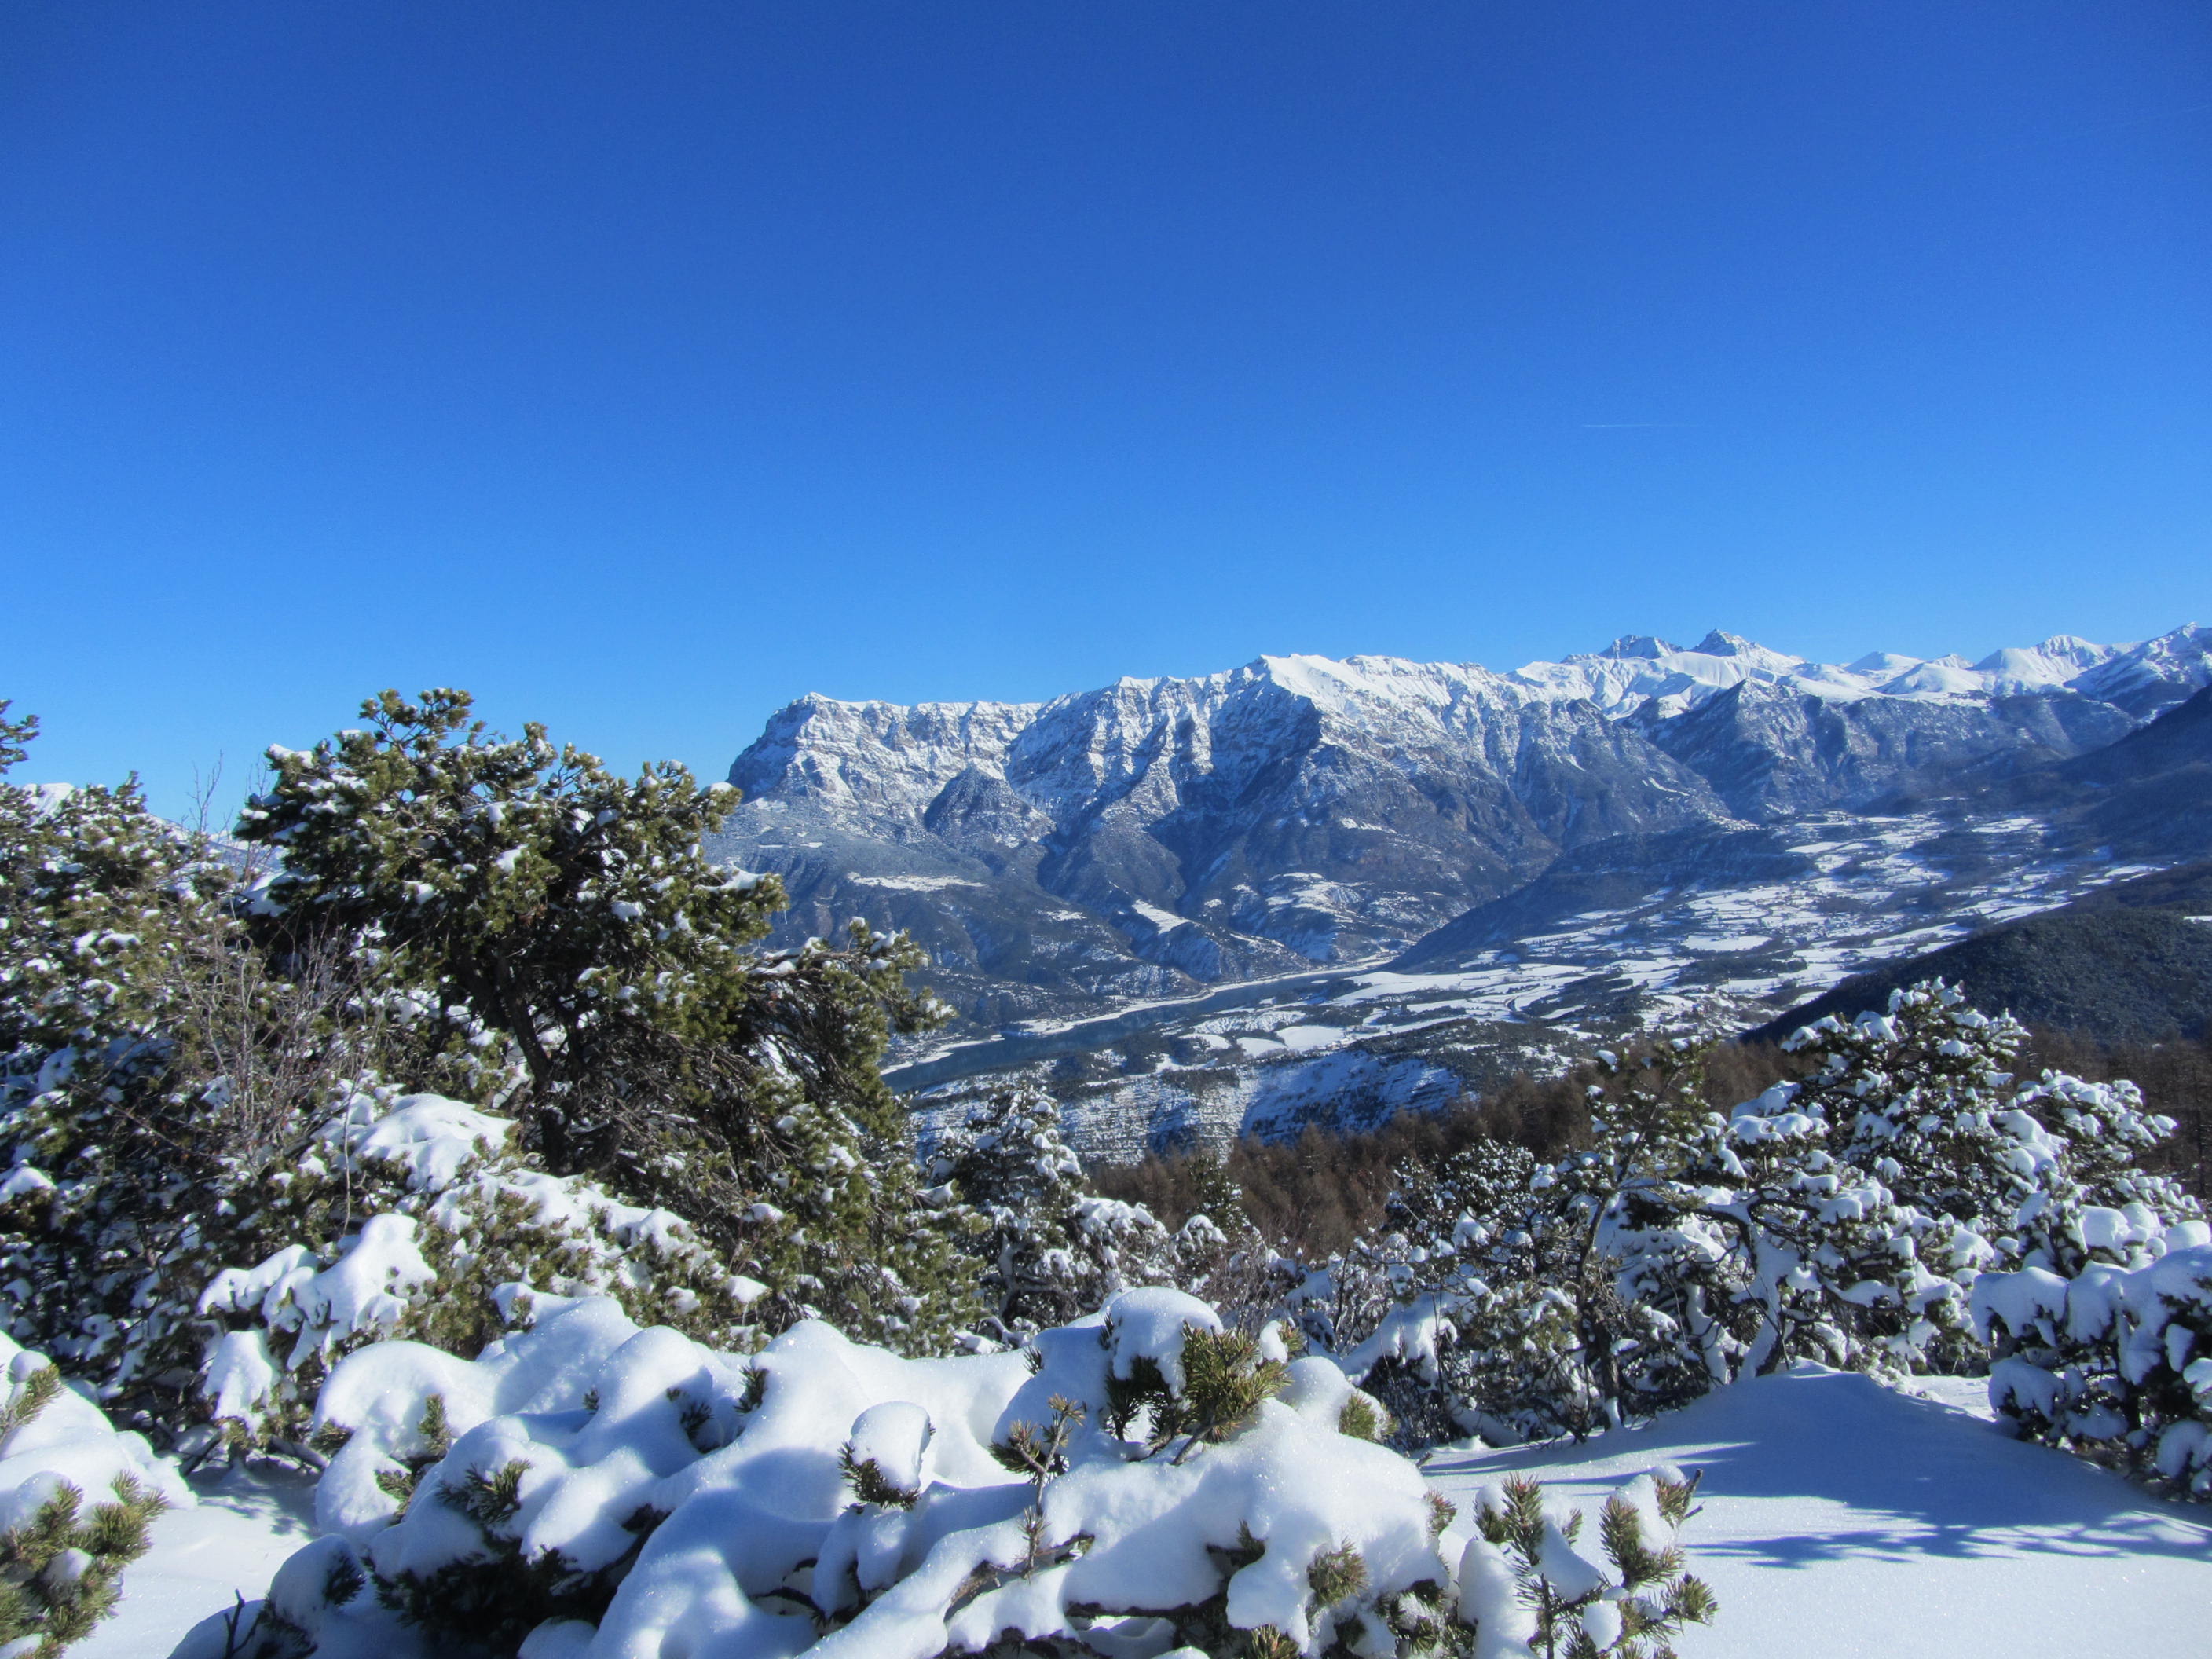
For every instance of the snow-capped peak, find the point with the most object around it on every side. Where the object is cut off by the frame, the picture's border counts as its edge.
(1719, 644)
(879, 757)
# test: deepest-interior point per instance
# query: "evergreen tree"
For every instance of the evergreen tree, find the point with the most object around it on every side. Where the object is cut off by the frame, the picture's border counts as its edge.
(1218, 1253)
(1526, 1588)
(522, 890)
(1920, 1099)
(116, 1152)
(59, 1563)
(1051, 1248)
(1846, 1219)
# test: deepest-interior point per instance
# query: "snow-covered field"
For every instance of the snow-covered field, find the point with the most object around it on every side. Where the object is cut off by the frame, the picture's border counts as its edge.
(228, 1545)
(1840, 1520)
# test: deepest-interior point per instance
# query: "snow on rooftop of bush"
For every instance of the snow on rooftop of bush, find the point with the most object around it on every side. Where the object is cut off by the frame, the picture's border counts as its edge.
(1151, 1324)
(685, 1489)
(432, 1138)
(67, 1438)
(453, 1166)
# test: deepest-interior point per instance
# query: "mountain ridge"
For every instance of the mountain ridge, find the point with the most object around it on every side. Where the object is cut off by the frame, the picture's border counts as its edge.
(1145, 838)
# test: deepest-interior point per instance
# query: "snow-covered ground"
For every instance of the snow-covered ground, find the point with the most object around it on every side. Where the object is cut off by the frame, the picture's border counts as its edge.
(1841, 1520)
(1838, 1520)
(230, 1544)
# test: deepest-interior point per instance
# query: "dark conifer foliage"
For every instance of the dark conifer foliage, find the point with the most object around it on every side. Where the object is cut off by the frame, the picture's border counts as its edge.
(572, 912)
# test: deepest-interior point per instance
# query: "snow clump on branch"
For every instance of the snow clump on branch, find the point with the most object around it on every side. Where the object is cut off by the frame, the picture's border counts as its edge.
(1141, 1480)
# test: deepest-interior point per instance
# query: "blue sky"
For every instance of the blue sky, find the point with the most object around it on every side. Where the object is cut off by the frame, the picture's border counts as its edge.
(642, 367)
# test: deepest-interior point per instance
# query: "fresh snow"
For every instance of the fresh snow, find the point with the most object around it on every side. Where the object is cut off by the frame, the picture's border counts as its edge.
(610, 1418)
(1839, 1520)
(224, 1548)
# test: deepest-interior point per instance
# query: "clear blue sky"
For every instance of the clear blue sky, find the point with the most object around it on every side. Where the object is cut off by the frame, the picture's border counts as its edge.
(643, 366)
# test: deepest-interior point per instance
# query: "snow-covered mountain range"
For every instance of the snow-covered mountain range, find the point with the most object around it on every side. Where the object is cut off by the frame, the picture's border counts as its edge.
(1156, 836)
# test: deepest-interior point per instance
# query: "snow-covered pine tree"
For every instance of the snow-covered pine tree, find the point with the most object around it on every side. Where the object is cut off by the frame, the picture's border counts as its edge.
(168, 1106)
(415, 1217)
(1529, 1585)
(1846, 1219)
(165, 1087)
(1220, 1254)
(2100, 1333)
(824, 1498)
(116, 1155)
(1050, 1248)
(527, 891)
(1997, 1173)
(1532, 1299)
(2114, 1361)
(1917, 1096)
(59, 1561)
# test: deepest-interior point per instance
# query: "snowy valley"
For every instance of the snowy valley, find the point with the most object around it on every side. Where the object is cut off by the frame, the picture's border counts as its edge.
(1317, 889)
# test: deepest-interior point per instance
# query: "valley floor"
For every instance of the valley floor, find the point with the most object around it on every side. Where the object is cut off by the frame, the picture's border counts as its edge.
(1348, 1045)
(1838, 1520)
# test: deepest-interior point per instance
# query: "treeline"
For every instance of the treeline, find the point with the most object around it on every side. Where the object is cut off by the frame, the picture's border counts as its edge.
(1312, 1198)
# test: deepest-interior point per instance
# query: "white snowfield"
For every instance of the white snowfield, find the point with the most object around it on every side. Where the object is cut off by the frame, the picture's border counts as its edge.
(1841, 1520)
(1838, 1520)
(227, 1546)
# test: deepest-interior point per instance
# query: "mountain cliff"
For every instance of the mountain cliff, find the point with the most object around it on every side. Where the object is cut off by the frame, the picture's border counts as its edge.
(1152, 835)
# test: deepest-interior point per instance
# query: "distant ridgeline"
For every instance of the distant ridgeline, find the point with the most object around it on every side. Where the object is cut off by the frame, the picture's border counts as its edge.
(1156, 836)
(1403, 870)
(2131, 962)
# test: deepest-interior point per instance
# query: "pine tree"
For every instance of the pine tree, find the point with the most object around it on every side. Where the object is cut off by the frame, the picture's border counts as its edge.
(109, 921)
(1526, 1586)
(525, 891)
(1847, 1219)
(1051, 1250)
(1554, 1291)
(163, 1089)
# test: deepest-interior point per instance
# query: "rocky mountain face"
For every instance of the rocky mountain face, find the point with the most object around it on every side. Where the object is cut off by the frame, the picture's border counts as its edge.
(1154, 837)
(1770, 752)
